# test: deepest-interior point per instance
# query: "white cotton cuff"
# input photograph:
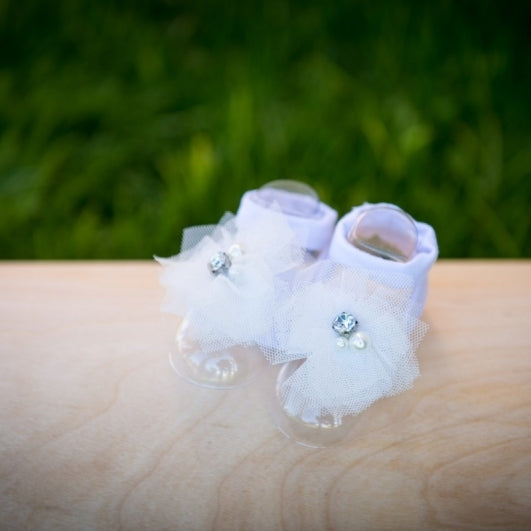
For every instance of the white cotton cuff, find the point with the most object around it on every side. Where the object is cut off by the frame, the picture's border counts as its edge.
(343, 252)
(313, 231)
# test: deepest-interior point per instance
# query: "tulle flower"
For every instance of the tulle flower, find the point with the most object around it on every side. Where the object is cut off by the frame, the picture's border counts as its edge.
(356, 337)
(227, 278)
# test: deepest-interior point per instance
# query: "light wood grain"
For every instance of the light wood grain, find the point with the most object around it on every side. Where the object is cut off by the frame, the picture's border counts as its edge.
(98, 433)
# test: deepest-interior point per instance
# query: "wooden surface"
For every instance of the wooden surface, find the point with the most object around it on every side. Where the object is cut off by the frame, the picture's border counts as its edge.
(97, 432)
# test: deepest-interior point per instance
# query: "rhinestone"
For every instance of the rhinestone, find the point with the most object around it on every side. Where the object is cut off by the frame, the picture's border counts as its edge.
(344, 324)
(358, 341)
(219, 263)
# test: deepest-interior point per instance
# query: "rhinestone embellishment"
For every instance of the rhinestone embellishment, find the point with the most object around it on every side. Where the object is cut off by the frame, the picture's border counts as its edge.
(344, 324)
(219, 263)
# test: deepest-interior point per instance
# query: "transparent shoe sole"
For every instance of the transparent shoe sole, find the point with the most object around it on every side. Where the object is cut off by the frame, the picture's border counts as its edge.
(310, 428)
(223, 369)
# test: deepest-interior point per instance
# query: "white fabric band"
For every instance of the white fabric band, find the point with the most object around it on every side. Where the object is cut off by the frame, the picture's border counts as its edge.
(343, 252)
(313, 232)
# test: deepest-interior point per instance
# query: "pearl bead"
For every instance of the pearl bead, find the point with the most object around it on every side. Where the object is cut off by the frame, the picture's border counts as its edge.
(235, 250)
(358, 341)
(341, 342)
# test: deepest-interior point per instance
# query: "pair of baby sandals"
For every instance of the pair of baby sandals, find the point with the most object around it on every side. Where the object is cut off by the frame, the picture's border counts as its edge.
(335, 305)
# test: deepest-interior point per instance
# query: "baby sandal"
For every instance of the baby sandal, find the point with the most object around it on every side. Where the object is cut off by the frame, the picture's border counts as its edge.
(226, 282)
(347, 335)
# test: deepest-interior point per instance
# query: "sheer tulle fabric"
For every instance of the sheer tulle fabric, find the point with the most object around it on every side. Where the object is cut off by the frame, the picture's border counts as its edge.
(234, 307)
(335, 380)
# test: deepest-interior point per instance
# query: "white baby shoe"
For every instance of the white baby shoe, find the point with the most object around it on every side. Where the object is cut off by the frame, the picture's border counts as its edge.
(226, 283)
(348, 331)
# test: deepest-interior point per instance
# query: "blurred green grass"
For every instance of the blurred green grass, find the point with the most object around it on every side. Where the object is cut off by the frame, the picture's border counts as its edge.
(123, 122)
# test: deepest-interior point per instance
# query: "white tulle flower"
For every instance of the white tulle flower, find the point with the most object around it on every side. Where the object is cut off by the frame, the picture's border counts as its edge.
(356, 336)
(227, 278)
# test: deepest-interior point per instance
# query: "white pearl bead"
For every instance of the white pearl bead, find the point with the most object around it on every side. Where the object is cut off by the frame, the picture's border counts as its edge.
(235, 250)
(233, 273)
(341, 342)
(358, 341)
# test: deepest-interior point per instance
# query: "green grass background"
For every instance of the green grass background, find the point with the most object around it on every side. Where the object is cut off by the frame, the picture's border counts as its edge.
(122, 122)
